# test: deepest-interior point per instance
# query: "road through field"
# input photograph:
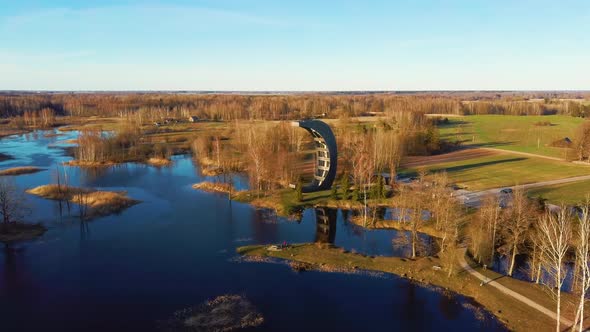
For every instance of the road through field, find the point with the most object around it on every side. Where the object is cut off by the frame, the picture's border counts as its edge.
(473, 198)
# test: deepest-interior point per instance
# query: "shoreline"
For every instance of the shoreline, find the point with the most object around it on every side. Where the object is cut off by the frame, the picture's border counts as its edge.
(422, 270)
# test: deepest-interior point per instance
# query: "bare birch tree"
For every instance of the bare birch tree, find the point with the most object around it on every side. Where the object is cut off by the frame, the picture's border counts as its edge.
(516, 224)
(363, 167)
(491, 214)
(583, 259)
(556, 233)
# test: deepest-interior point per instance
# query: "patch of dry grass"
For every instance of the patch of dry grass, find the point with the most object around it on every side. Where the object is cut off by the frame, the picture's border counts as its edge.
(81, 163)
(100, 203)
(20, 170)
(8, 132)
(217, 187)
(159, 162)
(425, 227)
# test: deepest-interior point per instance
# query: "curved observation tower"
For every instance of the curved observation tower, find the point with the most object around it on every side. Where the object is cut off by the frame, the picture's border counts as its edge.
(326, 154)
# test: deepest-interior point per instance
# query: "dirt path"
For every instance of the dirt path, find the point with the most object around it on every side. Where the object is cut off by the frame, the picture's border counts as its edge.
(526, 154)
(463, 154)
(489, 282)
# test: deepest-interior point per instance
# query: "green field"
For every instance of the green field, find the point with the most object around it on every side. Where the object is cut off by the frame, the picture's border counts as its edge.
(568, 193)
(515, 133)
(504, 170)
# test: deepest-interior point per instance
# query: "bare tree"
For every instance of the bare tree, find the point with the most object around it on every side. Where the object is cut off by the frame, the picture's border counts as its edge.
(536, 256)
(47, 117)
(516, 224)
(583, 259)
(410, 204)
(447, 213)
(258, 149)
(556, 233)
(484, 230)
(363, 167)
(582, 142)
(490, 212)
(12, 207)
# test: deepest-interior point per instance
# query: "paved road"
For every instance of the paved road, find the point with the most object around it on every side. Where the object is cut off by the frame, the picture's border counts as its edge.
(489, 282)
(473, 198)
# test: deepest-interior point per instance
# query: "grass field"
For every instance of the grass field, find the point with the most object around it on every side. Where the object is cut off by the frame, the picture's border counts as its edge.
(515, 133)
(503, 169)
(568, 193)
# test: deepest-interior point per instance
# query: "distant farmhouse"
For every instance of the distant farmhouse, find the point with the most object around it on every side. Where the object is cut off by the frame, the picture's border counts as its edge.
(562, 143)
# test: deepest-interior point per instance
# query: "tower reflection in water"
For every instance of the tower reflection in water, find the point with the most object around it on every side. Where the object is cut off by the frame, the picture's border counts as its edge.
(325, 225)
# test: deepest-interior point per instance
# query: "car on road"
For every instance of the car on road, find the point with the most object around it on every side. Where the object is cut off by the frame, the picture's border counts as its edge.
(454, 187)
(506, 191)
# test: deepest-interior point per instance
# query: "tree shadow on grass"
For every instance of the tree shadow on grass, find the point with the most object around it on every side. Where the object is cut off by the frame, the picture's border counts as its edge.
(452, 123)
(313, 198)
(455, 135)
(494, 144)
(476, 165)
(494, 279)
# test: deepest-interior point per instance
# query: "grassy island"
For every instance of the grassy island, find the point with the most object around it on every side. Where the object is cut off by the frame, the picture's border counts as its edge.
(214, 187)
(83, 163)
(515, 315)
(159, 162)
(99, 203)
(20, 170)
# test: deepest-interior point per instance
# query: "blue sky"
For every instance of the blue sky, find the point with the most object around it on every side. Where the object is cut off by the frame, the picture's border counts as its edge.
(294, 45)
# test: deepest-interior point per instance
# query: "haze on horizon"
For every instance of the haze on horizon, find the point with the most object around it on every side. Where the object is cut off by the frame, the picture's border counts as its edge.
(294, 45)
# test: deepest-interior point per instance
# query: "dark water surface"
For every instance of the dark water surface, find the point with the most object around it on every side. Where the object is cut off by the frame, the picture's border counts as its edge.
(177, 249)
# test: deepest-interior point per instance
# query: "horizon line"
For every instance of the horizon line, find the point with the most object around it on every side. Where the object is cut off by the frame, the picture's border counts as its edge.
(294, 91)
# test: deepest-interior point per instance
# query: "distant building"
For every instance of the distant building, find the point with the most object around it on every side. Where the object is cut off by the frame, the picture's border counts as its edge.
(562, 143)
(193, 119)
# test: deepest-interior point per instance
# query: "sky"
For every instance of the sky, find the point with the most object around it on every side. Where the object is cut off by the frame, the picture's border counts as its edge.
(319, 45)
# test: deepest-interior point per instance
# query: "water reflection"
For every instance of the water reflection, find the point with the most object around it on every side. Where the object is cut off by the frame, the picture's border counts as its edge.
(523, 270)
(325, 225)
(15, 278)
(449, 306)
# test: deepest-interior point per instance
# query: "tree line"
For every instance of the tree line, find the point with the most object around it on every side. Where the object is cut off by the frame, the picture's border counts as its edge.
(291, 106)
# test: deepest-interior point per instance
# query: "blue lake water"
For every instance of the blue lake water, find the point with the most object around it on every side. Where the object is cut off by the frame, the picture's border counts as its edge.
(176, 249)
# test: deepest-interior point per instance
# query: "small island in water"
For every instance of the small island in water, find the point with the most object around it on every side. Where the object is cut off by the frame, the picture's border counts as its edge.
(99, 203)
